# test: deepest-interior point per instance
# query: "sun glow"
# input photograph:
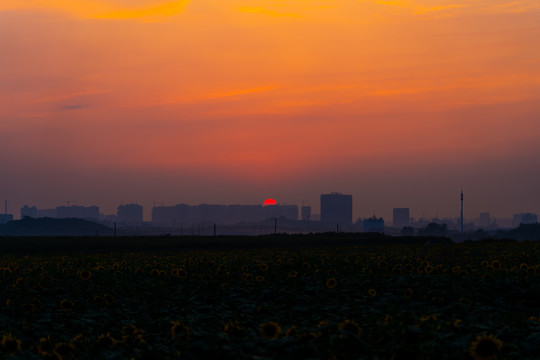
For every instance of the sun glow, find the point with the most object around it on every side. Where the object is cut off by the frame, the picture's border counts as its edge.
(269, 202)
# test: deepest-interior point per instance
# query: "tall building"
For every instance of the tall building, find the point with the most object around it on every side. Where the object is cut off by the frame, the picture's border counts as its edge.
(336, 208)
(306, 213)
(130, 213)
(79, 212)
(401, 217)
(524, 218)
(27, 211)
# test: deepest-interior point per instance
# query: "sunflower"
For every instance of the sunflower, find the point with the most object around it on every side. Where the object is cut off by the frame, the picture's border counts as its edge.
(181, 273)
(456, 269)
(495, 265)
(259, 278)
(291, 331)
(428, 269)
(180, 330)
(293, 274)
(233, 328)
(85, 275)
(270, 330)
(64, 350)
(78, 337)
(10, 344)
(408, 293)
(523, 267)
(67, 305)
(106, 340)
(372, 292)
(352, 327)
(132, 334)
(331, 283)
(45, 346)
(485, 347)
(109, 299)
(263, 266)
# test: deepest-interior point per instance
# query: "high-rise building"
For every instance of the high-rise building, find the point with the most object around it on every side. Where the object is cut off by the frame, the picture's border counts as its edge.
(27, 211)
(524, 218)
(130, 213)
(336, 208)
(306, 213)
(401, 217)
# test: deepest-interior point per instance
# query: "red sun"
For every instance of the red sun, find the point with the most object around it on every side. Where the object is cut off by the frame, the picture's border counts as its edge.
(269, 202)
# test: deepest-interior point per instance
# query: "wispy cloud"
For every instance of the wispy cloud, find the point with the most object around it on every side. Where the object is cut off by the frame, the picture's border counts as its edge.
(101, 9)
(447, 8)
(166, 9)
(265, 11)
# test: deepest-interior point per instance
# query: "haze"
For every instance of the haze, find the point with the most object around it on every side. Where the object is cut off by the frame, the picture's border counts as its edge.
(399, 103)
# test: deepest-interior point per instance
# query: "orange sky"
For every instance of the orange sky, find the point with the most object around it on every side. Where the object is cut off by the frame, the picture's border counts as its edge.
(225, 101)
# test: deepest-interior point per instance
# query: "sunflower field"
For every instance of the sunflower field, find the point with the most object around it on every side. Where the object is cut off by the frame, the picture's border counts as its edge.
(433, 301)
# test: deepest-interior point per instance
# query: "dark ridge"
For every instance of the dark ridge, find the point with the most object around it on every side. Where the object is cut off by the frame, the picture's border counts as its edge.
(53, 227)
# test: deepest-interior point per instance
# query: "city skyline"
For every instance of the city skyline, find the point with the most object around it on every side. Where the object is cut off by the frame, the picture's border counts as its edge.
(315, 213)
(398, 103)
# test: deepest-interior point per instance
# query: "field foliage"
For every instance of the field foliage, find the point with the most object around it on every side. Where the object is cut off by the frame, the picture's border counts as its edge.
(453, 301)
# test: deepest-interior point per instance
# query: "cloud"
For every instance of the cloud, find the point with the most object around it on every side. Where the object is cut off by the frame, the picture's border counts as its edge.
(513, 7)
(101, 9)
(265, 11)
(166, 9)
(445, 8)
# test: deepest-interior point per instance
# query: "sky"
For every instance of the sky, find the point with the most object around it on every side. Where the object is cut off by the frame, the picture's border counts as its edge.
(397, 102)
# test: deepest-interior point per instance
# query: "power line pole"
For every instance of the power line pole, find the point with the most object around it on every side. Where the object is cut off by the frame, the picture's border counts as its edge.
(462, 209)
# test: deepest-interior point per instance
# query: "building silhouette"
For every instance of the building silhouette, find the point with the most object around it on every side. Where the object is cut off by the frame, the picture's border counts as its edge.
(78, 212)
(401, 217)
(336, 208)
(130, 214)
(524, 218)
(306, 213)
(484, 220)
(29, 211)
(183, 214)
(373, 224)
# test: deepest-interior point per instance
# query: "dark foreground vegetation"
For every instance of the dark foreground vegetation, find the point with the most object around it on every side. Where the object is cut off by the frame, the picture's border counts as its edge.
(268, 298)
(93, 244)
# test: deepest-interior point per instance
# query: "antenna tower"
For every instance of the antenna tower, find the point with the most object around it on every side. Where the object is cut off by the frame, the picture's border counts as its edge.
(461, 220)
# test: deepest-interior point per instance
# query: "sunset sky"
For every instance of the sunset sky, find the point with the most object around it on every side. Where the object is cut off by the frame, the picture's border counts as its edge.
(399, 103)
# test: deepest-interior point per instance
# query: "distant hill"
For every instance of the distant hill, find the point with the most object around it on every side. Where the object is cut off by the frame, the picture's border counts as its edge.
(54, 227)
